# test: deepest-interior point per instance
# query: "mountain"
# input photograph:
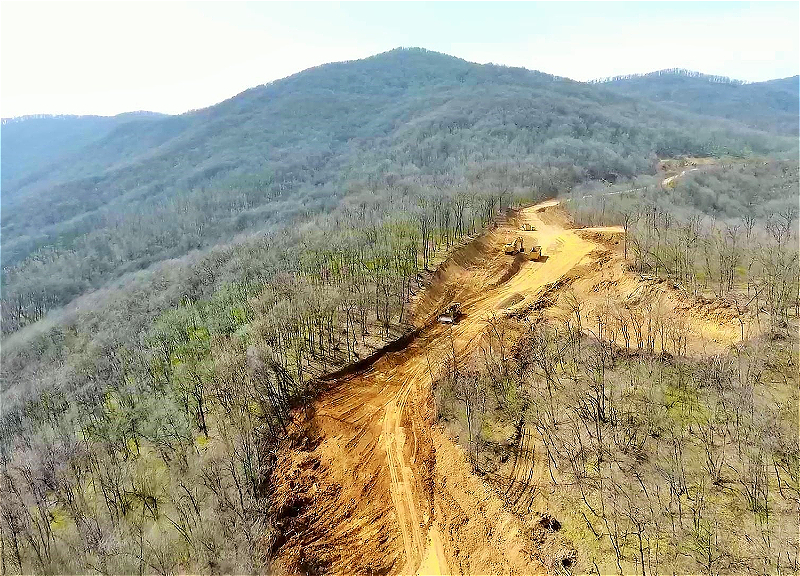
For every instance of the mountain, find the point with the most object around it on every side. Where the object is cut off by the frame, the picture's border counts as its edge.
(771, 105)
(31, 142)
(110, 196)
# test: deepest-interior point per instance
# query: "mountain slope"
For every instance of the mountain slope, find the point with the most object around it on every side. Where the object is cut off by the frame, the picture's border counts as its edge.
(157, 188)
(31, 144)
(771, 105)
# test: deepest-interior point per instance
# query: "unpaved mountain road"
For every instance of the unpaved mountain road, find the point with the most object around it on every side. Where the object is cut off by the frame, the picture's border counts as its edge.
(369, 484)
(669, 182)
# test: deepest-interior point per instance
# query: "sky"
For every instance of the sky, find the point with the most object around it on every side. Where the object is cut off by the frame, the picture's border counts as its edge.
(112, 57)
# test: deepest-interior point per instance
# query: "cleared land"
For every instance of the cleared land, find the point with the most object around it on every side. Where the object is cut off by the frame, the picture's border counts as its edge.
(369, 484)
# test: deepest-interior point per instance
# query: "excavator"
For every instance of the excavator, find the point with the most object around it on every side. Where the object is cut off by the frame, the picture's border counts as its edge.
(514, 247)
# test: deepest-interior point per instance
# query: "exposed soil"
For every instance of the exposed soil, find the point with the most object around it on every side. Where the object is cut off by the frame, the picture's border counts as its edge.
(369, 483)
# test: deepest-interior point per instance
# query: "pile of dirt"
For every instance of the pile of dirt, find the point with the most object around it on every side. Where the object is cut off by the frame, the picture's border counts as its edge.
(610, 236)
(511, 269)
(445, 282)
(319, 515)
(711, 309)
(490, 540)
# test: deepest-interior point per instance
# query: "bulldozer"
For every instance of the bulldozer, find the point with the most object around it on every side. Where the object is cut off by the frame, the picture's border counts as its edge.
(451, 314)
(514, 247)
(536, 253)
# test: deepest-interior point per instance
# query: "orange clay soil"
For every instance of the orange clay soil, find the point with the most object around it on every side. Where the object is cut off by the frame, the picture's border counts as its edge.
(367, 483)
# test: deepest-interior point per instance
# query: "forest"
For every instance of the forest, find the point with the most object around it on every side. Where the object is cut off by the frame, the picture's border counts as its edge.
(100, 456)
(660, 451)
(764, 105)
(278, 153)
(173, 287)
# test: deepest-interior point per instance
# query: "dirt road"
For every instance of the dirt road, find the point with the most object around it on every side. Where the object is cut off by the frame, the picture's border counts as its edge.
(369, 483)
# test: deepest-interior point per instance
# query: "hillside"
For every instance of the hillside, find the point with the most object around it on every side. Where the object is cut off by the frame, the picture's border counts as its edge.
(771, 105)
(152, 188)
(587, 397)
(31, 144)
(221, 352)
(544, 383)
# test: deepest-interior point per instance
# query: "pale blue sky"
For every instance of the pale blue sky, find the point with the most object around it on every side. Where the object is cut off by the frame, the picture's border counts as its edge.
(111, 57)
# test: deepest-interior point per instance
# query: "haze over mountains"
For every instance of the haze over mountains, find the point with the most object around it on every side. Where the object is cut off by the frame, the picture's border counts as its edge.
(86, 199)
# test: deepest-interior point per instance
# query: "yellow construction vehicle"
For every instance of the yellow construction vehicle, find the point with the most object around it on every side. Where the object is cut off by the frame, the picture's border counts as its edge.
(527, 227)
(451, 314)
(514, 247)
(536, 253)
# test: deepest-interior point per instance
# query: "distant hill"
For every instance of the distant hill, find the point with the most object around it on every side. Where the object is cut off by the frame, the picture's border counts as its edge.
(88, 199)
(771, 105)
(33, 142)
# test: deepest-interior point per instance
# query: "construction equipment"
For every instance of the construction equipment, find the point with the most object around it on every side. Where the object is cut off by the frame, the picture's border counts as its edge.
(514, 247)
(536, 253)
(451, 314)
(527, 227)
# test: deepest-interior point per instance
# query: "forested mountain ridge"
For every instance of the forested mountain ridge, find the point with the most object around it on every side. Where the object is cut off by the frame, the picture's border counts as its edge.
(770, 105)
(156, 187)
(33, 143)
